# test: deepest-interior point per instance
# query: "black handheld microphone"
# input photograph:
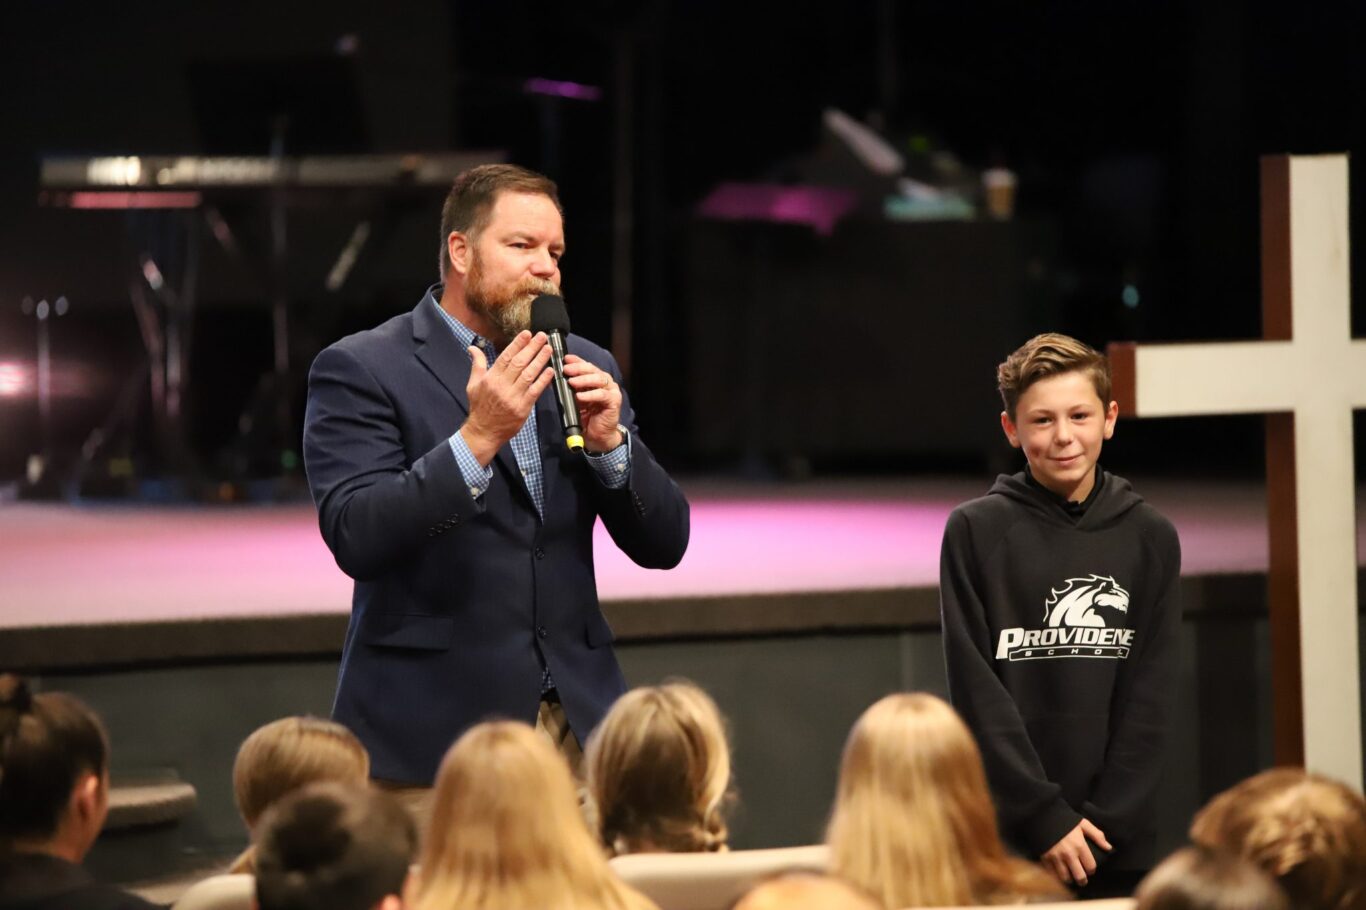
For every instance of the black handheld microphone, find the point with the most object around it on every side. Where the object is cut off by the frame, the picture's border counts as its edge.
(549, 315)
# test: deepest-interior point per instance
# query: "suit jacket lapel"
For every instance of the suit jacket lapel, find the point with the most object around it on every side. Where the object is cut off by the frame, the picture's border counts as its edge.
(440, 352)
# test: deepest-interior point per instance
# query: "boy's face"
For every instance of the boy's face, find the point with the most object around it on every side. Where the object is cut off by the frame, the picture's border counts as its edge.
(1060, 423)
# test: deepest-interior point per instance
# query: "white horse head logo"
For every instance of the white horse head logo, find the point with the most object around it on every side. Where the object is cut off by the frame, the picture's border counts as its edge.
(1076, 604)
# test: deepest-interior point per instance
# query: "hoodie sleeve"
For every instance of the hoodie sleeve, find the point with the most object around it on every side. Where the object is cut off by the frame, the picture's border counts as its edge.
(1139, 708)
(1031, 807)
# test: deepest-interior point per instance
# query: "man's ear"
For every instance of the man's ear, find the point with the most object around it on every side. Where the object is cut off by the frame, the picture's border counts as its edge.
(1111, 415)
(460, 250)
(87, 797)
(1008, 427)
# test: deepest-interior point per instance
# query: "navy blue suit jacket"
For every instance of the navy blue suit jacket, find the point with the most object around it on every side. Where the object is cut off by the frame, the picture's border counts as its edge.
(453, 597)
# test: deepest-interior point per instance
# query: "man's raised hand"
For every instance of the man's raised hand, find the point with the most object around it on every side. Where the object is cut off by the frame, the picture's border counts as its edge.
(599, 400)
(503, 394)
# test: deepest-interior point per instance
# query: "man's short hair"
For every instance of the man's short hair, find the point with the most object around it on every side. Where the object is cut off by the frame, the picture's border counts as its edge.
(470, 201)
(330, 846)
(1049, 355)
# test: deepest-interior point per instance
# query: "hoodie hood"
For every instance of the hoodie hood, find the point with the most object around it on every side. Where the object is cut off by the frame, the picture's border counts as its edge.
(1114, 498)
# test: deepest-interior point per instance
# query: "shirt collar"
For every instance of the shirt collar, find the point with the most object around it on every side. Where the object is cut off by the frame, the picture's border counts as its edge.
(1075, 509)
(463, 333)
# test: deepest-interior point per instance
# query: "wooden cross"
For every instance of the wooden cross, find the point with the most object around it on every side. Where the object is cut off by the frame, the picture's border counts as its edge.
(1306, 376)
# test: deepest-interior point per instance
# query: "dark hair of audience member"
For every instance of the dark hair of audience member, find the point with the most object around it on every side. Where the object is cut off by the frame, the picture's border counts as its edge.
(48, 744)
(333, 846)
(1198, 878)
(1305, 830)
(507, 833)
(658, 772)
(913, 822)
(286, 754)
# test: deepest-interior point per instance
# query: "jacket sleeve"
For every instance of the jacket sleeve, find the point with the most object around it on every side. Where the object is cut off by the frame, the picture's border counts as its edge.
(1031, 807)
(1140, 706)
(374, 509)
(648, 518)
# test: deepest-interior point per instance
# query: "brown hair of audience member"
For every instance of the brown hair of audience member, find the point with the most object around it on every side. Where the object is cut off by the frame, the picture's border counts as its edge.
(54, 772)
(1198, 878)
(1049, 355)
(470, 202)
(506, 831)
(334, 846)
(1305, 830)
(658, 769)
(287, 754)
(806, 891)
(913, 822)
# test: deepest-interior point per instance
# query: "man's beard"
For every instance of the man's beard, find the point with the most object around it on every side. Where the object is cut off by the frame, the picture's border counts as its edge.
(507, 310)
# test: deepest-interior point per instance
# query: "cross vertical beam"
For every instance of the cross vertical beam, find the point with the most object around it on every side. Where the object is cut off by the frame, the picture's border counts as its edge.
(1306, 376)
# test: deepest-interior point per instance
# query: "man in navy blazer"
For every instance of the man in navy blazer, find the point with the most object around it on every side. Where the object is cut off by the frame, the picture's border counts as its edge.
(445, 489)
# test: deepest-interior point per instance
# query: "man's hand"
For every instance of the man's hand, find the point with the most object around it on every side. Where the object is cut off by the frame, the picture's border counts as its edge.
(599, 399)
(502, 396)
(1070, 859)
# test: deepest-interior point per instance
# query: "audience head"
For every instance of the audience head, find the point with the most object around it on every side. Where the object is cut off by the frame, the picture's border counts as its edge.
(658, 769)
(334, 846)
(54, 772)
(1306, 831)
(806, 891)
(507, 833)
(1198, 878)
(913, 822)
(287, 754)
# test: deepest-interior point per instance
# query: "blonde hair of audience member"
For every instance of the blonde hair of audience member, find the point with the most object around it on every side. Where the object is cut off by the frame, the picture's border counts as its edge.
(1198, 878)
(913, 821)
(507, 833)
(285, 755)
(807, 891)
(1305, 830)
(658, 769)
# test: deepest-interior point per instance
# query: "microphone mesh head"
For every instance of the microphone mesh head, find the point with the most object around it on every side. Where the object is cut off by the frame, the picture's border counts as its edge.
(548, 314)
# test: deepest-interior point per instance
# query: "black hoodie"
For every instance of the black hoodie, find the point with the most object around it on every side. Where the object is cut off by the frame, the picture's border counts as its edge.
(1060, 629)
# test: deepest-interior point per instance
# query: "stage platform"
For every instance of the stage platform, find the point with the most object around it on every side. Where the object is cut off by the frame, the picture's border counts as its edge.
(99, 586)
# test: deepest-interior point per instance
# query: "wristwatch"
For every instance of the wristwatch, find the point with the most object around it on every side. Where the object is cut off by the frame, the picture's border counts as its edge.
(625, 434)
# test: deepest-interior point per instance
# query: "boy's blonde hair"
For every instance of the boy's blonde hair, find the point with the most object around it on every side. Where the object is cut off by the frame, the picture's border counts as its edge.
(913, 822)
(1306, 830)
(1049, 355)
(658, 769)
(287, 754)
(506, 831)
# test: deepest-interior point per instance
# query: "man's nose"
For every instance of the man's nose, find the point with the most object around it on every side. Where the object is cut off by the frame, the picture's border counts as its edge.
(1062, 435)
(544, 265)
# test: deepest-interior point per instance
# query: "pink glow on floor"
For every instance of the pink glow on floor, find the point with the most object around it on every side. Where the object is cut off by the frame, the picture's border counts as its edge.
(62, 565)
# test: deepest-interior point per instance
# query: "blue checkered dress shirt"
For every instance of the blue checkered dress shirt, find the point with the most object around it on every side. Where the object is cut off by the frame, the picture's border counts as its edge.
(612, 468)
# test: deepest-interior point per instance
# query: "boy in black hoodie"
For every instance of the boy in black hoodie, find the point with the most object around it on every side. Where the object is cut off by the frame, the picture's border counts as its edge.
(1058, 597)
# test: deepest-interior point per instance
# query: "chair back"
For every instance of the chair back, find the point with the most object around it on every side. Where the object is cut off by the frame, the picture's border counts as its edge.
(712, 881)
(221, 892)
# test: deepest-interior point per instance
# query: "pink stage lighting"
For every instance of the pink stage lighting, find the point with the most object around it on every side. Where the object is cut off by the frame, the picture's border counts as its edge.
(15, 380)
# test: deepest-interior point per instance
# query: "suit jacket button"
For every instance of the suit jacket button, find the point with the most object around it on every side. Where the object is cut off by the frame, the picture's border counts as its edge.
(541, 631)
(540, 554)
